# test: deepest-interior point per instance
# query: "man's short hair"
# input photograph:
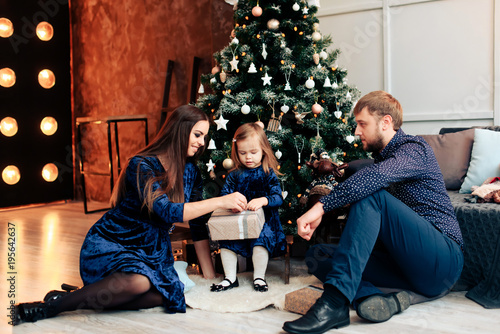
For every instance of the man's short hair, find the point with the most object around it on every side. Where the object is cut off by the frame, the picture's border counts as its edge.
(379, 104)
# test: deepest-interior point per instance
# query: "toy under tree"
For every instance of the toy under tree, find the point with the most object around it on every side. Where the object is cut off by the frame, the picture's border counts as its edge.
(277, 70)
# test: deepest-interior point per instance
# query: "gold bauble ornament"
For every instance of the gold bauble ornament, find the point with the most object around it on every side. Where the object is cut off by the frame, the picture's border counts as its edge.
(228, 163)
(316, 58)
(273, 24)
(257, 11)
(316, 108)
(223, 76)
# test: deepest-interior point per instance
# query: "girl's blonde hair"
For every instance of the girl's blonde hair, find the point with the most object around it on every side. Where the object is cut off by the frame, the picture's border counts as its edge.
(172, 143)
(245, 131)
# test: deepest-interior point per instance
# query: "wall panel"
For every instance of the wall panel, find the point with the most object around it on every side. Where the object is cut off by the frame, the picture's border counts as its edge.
(441, 51)
(437, 57)
(359, 36)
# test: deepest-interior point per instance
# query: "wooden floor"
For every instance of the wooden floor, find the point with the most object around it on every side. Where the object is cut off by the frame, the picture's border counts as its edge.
(47, 244)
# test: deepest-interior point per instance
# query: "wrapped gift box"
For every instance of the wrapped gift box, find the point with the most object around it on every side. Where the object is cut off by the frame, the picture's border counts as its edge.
(300, 301)
(226, 225)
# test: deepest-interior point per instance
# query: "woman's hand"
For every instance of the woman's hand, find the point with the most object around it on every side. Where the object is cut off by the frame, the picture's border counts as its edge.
(234, 201)
(309, 221)
(257, 203)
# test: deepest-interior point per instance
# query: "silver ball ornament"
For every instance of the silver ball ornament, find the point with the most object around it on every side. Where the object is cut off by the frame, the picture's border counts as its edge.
(245, 109)
(310, 83)
(316, 36)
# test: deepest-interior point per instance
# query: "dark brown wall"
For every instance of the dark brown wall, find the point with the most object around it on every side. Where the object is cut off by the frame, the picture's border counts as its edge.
(120, 55)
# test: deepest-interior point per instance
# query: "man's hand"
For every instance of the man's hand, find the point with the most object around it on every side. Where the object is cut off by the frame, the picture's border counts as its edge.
(309, 221)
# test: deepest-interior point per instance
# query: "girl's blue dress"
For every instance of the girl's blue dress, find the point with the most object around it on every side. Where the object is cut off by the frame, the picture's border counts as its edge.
(254, 183)
(130, 239)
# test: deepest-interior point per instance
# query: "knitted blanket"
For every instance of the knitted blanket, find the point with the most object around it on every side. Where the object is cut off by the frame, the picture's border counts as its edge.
(480, 225)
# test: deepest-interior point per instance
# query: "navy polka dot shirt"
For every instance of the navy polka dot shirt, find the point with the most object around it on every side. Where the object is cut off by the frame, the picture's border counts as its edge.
(407, 169)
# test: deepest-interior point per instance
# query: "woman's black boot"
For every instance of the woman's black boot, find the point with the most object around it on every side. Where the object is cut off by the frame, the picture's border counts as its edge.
(58, 294)
(32, 312)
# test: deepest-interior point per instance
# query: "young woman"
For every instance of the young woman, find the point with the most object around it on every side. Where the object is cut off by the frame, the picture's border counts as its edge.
(126, 260)
(254, 175)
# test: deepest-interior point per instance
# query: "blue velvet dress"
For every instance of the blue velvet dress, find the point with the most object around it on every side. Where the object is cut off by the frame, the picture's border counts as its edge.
(129, 239)
(255, 183)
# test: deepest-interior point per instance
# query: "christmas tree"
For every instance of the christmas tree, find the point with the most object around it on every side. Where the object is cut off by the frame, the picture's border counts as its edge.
(277, 70)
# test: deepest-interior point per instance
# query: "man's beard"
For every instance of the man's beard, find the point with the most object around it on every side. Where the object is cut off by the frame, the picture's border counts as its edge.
(376, 146)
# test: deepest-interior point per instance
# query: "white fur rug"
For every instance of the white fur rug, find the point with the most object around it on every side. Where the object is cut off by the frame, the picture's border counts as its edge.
(243, 298)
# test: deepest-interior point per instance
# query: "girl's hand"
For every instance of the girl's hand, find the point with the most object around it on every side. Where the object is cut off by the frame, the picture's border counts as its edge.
(234, 201)
(257, 203)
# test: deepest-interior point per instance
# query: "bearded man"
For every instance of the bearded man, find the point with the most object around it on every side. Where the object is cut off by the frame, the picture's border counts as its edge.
(401, 232)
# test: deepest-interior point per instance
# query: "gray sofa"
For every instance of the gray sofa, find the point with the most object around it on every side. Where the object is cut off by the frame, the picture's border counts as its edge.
(479, 222)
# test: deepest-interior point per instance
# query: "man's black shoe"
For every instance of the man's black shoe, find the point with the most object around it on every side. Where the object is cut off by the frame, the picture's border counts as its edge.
(320, 318)
(380, 308)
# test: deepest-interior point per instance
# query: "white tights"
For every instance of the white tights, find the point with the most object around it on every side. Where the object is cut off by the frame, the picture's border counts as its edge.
(260, 258)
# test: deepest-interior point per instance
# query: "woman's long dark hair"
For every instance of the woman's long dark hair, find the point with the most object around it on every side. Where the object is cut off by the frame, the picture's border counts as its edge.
(171, 143)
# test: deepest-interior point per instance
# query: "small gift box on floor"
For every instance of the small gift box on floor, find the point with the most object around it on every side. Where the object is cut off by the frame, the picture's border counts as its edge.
(227, 225)
(300, 301)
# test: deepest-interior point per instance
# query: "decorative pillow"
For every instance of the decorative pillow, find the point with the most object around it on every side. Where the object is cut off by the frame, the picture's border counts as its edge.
(484, 161)
(452, 151)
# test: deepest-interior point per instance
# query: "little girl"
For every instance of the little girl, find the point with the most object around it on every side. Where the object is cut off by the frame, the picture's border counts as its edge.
(254, 176)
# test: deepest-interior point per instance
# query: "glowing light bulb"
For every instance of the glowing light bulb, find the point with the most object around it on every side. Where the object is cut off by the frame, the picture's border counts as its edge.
(46, 79)
(11, 175)
(7, 77)
(8, 126)
(50, 172)
(6, 28)
(44, 31)
(48, 125)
